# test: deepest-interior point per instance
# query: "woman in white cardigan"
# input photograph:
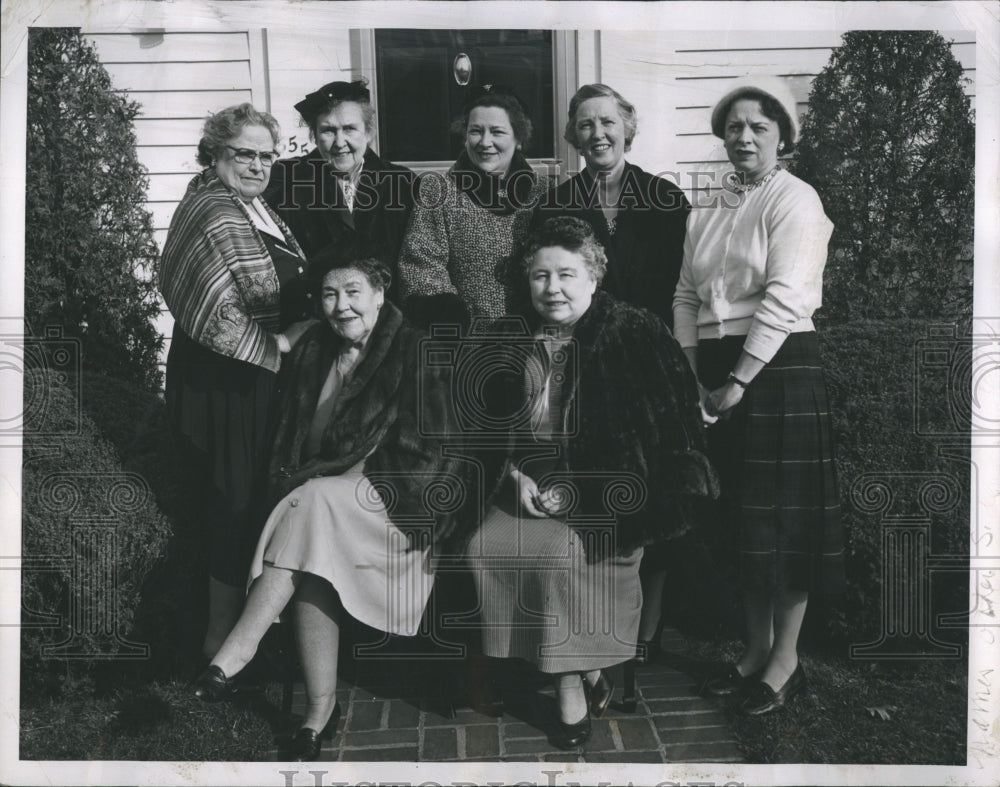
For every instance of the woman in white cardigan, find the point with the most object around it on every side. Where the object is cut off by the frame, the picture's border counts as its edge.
(749, 284)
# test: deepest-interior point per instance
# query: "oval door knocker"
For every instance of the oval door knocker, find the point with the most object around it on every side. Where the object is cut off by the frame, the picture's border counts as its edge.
(462, 68)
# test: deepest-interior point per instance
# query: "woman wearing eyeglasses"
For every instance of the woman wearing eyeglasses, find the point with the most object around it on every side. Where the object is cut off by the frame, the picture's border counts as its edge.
(232, 276)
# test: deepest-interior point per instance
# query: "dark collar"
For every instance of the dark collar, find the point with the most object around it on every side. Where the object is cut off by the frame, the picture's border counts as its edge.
(498, 195)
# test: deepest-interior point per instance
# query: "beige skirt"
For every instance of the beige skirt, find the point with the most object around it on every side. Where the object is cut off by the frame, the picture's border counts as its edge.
(336, 527)
(540, 599)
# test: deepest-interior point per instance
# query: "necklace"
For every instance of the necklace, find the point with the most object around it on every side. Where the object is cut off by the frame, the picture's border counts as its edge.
(734, 182)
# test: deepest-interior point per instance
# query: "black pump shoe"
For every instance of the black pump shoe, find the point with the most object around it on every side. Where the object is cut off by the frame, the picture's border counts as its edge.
(599, 695)
(569, 736)
(728, 681)
(213, 685)
(648, 651)
(307, 743)
(761, 698)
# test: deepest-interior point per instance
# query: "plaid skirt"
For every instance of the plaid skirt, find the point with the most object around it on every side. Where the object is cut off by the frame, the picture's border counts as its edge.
(775, 456)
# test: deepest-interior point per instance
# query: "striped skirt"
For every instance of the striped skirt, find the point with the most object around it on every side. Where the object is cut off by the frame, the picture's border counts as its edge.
(775, 457)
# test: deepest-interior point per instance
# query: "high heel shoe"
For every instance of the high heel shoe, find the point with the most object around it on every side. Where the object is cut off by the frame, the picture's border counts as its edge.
(647, 651)
(727, 680)
(213, 685)
(599, 695)
(569, 736)
(761, 698)
(306, 744)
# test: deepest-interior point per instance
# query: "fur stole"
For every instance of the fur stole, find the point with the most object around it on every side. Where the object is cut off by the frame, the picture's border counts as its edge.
(376, 416)
(630, 412)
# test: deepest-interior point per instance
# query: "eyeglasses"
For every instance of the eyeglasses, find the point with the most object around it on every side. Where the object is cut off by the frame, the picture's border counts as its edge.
(246, 156)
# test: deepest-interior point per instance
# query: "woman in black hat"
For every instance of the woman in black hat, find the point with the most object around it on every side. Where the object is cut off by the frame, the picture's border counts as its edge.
(466, 225)
(342, 193)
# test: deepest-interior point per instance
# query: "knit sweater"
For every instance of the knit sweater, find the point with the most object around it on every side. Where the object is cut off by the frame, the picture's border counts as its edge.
(753, 270)
(453, 245)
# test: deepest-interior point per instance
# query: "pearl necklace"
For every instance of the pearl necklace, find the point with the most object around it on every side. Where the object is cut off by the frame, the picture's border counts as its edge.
(733, 181)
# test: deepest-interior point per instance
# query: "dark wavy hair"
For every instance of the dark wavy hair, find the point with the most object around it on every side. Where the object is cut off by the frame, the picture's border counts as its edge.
(770, 107)
(228, 123)
(630, 118)
(571, 234)
(520, 123)
(330, 260)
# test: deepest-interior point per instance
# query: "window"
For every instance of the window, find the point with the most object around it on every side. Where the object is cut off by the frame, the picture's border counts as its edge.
(419, 95)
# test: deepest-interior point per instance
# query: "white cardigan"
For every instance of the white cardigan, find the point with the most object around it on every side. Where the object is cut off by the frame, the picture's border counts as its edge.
(753, 266)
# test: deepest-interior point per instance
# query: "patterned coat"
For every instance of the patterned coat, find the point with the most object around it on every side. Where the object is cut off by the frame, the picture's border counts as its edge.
(454, 245)
(217, 278)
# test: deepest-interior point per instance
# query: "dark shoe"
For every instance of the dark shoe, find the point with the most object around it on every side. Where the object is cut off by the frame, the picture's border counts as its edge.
(648, 651)
(599, 695)
(761, 698)
(727, 681)
(569, 736)
(307, 743)
(213, 685)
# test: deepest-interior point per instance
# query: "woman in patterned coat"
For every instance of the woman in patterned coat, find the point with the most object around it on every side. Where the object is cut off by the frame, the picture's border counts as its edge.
(231, 275)
(466, 225)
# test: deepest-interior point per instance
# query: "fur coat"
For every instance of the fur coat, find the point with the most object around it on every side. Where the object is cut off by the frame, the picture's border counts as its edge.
(629, 409)
(390, 413)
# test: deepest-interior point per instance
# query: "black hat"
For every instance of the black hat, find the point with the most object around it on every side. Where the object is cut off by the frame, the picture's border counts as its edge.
(332, 93)
(481, 91)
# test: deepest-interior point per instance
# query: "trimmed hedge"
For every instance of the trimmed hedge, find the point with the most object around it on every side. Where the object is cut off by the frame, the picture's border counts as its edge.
(871, 377)
(91, 535)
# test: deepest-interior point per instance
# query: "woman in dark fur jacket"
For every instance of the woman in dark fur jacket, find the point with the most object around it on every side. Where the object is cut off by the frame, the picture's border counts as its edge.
(359, 490)
(604, 454)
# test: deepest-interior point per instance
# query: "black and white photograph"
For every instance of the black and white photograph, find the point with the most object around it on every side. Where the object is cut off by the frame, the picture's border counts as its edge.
(499, 393)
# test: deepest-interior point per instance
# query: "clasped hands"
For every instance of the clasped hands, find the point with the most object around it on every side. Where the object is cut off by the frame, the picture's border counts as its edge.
(720, 402)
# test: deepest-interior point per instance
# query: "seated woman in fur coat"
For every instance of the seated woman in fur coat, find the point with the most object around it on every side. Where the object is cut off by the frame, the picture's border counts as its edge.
(350, 458)
(605, 454)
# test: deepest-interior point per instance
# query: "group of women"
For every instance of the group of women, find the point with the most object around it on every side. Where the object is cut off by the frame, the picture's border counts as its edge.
(297, 385)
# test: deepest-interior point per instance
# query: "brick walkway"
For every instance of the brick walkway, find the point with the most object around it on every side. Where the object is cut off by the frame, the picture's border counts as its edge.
(389, 717)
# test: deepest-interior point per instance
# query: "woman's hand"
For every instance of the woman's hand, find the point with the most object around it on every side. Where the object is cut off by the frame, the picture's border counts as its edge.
(723, 399)
(294, 331)
(703, 404)
(527, 493)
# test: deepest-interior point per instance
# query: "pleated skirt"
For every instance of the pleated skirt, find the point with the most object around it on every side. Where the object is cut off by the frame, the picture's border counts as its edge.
(541, 601)
(776, 460)
(336, 528)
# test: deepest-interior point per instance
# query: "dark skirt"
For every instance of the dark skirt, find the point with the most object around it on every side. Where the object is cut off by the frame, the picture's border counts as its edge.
(776, 460)
(219, 408)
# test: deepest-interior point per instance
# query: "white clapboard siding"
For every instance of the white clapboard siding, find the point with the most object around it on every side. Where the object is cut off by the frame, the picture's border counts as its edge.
(170, 160)
(167, 188)
(169, 47)
(228, 75)
(168, 132)
(162, 213)
(157, 104)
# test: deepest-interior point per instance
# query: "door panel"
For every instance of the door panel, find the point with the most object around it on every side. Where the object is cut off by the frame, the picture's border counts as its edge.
(419, 96)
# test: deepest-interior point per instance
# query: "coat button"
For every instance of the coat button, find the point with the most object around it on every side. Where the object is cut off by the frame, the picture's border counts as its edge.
(293, 502)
